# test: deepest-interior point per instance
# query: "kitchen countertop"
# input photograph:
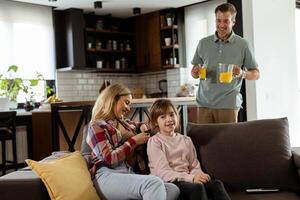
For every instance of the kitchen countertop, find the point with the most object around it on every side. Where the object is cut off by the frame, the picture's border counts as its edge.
(143, 102)
(175, 100)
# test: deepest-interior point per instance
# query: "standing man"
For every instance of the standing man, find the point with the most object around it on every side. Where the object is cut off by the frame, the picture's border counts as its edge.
(220, 102)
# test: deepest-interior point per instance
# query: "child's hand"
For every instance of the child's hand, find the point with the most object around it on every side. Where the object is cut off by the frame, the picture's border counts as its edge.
(141, 138)
(201, 178)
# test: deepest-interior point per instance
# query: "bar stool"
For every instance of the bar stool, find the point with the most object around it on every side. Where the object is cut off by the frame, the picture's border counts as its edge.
(8, 132)
(59, 125)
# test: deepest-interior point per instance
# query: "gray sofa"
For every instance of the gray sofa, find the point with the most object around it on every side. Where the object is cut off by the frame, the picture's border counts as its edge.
(254, 154)
(250, 155)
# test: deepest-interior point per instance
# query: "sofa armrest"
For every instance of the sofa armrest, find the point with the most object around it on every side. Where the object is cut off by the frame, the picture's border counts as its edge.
(296, 156)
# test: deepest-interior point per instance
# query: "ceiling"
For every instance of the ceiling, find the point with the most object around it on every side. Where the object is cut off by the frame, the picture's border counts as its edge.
(118, 8)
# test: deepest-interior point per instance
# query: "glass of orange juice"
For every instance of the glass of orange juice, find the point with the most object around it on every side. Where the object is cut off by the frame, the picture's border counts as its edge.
(202, 72)
(225, 73)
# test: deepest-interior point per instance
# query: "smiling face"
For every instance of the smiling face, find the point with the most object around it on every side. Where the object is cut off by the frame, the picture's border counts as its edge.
(224, 23)
(122, 106)
(167, 122)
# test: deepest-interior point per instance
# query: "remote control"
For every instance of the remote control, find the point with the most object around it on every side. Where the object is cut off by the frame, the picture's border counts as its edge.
(261, 190)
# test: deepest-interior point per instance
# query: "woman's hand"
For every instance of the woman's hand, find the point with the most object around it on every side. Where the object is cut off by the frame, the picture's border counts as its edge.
(144, 128)
(201, 178)
(141, 138)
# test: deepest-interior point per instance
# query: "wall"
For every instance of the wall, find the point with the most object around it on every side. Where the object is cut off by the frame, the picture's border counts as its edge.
(199, 23)
(269, 25)
(78, 86)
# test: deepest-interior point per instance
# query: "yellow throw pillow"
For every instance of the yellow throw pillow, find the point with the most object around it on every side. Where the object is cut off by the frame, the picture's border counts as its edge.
(66, 178)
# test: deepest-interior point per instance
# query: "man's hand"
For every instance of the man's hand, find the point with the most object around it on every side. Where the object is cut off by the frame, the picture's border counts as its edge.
(237, 71)
(201, 178)
(195, 71)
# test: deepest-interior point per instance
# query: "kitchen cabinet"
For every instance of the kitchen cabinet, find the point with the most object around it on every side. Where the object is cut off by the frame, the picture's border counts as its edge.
(109, 43)
(69, 39)
(171, 29)
(148, 42)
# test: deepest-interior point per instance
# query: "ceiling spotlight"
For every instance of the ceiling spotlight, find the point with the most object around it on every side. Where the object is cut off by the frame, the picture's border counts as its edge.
(136, 11)
(52, 0)
(98, 4)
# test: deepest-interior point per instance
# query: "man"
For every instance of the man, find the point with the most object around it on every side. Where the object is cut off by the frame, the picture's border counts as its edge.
(220, 102)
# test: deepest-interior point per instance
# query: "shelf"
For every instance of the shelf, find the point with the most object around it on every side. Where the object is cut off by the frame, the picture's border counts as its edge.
(175, 46)
(93, 30)
(169, 27)
(108, 51)
(171, 66)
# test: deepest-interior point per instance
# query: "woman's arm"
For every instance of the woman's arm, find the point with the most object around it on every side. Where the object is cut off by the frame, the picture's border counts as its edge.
(159, 164)
(106, 145)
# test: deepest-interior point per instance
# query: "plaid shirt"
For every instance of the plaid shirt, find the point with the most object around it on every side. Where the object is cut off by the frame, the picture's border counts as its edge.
(107, 145)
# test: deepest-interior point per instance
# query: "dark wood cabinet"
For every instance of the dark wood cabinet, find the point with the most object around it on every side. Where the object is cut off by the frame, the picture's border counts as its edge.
(171, 29)
(69, 39)
(109, 43)
(148, 46)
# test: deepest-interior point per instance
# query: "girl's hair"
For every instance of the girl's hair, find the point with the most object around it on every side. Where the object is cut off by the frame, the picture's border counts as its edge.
(104, 105)
(161, 107)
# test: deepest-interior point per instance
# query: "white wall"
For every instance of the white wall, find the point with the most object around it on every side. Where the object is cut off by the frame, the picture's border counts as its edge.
(270, 26)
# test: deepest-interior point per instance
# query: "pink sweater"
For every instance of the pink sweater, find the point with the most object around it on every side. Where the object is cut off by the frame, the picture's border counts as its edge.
(172, 157)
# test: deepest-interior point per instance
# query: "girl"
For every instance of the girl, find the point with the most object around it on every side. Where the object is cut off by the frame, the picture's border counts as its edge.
(107, 130)
(172, 157)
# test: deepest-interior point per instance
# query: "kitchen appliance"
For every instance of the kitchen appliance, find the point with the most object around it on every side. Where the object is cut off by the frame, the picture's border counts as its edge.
(163, 87)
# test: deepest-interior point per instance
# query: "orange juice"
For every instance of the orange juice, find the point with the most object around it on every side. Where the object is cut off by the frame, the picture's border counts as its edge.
(225, 77)
(202, 73)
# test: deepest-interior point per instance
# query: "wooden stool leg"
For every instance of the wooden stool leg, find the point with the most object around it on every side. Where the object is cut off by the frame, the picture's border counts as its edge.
(3, 157)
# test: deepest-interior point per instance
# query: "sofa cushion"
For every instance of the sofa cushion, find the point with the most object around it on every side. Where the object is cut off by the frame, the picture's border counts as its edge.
(254, 154)
(66, 177)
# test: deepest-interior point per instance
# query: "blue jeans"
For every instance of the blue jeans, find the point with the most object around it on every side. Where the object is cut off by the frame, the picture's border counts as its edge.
(121, 184)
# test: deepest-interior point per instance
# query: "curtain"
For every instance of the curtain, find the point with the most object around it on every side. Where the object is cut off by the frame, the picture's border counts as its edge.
(27, 39)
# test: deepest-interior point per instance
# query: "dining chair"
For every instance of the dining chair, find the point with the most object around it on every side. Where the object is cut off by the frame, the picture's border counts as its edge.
(8, 133)
(68, 119)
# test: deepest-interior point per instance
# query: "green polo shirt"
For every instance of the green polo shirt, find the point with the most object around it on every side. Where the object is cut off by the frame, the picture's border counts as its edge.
(211, 51)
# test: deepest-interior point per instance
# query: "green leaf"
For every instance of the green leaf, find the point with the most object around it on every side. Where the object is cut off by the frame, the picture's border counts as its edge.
(13, 68)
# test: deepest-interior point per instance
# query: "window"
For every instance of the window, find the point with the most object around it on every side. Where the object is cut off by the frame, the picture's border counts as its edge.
(27, 40)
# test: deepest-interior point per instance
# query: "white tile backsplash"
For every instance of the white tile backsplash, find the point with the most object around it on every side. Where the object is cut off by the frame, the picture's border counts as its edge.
(77, 86)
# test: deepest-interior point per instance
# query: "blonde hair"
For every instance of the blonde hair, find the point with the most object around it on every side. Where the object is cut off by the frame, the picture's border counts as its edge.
(161, 107)
(104, 105)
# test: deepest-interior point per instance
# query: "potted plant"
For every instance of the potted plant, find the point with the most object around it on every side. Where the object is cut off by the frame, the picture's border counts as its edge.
(11, 85)
(169, 18)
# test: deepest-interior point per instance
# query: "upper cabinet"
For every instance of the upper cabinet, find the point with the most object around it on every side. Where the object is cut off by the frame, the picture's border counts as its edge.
(144, 43)
(109, 43)
(69, 39)
(148, 47)
(171, 25)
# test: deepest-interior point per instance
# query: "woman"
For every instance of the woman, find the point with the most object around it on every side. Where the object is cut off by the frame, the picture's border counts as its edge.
(109, 150)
